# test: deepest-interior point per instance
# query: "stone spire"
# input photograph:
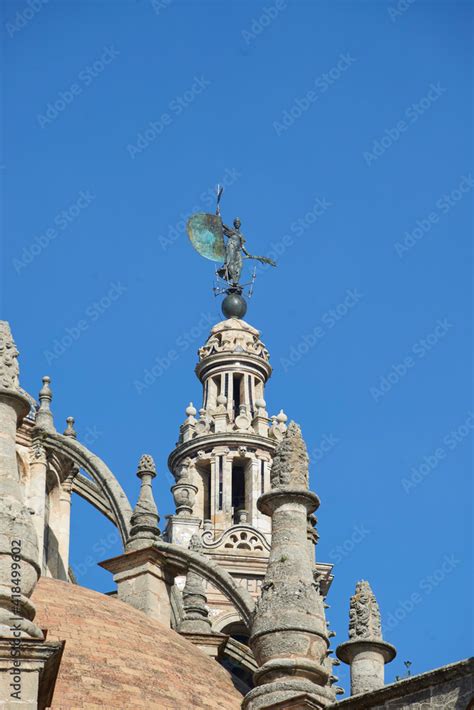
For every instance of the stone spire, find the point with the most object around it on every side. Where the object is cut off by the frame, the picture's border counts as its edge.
(19, 570)
(289, 635)
(364, 614)
(196, 613)
(144, 521)
(366, 652)
(291, 461)
(44, 415)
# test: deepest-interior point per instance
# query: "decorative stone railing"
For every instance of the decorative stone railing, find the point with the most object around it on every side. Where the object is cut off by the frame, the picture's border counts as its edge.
(238, 537)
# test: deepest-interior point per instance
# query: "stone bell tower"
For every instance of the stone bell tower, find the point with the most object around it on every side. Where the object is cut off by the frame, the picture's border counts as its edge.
(222, 461)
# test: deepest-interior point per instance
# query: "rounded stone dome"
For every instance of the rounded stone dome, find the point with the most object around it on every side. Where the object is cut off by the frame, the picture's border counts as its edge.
(116, 657)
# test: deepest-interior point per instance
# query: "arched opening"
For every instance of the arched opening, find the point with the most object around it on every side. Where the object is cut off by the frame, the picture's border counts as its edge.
(238, 487)
(242, 677)
(238, 631)
(203, 498)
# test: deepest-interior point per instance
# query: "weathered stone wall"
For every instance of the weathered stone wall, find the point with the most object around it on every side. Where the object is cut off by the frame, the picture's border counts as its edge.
(451, 695)
(446, 688)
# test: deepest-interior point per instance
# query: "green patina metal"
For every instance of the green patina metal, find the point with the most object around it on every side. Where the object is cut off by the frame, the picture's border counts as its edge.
(206, 234)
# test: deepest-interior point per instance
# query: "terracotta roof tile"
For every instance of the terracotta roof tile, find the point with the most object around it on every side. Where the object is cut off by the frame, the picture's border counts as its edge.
(116, 658)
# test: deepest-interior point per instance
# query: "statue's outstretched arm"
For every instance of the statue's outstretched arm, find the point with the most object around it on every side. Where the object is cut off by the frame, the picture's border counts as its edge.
(263, 259)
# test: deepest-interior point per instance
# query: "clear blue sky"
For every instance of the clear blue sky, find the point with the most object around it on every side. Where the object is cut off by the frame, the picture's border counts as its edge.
(343, 131)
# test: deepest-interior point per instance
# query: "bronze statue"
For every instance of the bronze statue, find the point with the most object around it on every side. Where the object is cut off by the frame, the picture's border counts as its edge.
(232, 268)
(207, 232)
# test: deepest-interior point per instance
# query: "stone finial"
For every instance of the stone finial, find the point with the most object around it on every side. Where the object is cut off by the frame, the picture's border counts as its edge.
(146, 465)
(44, 416)
(191, 410)
(281, 417)
(9, 369)
(69, 430)
(196, 614)
(366, 652)
(145, 518)
(291, 461)
(364, 614)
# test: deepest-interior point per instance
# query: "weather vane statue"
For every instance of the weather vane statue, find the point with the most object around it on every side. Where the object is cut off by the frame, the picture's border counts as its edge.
(207, 232)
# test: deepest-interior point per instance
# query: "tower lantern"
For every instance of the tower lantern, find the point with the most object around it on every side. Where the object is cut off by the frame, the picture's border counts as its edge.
(226, 452)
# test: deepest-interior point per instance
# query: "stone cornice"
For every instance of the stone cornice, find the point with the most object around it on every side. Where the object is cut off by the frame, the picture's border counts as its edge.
(232, 359)
(230, 439)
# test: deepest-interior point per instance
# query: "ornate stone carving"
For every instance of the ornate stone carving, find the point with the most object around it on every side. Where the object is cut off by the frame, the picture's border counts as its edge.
(184, 492)
(364, 614)
(366, 652)
(9, 369)
(290, 464)
(205, 423)
(68, 484)
(37, 451)
(238, 537)
(234, 336)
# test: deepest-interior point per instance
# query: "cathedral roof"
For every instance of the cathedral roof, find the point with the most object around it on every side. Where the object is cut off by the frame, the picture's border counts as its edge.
(116, 657)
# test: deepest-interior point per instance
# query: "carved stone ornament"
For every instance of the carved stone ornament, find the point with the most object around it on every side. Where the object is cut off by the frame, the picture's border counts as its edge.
(9, 369)
(234, 336)
(364, 614)
(290, 464)
(242, 537)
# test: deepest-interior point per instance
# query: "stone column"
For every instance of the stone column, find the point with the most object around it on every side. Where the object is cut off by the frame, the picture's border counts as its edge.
(252, 489)
(63, 527)
(19, 569)
(366, 652)
(28, 665)
(37, 493)
(288, 630)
